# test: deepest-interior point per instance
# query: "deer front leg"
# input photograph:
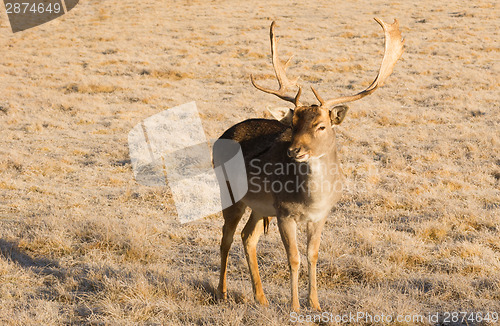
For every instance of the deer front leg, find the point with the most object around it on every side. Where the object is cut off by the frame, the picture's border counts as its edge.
(288, 232)
(250, 236)
(313, 241)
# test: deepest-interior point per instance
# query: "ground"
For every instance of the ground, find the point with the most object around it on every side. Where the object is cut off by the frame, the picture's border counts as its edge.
(416, 232)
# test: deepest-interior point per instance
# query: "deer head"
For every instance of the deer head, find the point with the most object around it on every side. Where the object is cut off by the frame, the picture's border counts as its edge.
(312, 132)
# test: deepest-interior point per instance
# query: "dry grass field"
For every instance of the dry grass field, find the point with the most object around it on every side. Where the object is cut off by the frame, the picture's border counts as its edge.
(417, 230)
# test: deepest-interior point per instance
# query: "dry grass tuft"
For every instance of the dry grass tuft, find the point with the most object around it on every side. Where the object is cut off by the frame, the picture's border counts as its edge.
(417, 230)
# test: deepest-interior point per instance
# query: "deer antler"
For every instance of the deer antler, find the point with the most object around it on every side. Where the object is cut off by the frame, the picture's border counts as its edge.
(393, 51)
(280, 71)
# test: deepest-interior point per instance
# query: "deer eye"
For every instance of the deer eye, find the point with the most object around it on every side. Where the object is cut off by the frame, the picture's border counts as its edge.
(321, 128)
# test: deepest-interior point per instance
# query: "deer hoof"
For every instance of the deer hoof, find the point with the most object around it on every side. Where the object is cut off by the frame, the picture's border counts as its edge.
(221, 296)
(315, 306)
(262, 300)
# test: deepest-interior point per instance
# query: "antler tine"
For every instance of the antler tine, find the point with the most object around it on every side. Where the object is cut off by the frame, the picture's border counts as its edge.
(392, 52)
(280, 70)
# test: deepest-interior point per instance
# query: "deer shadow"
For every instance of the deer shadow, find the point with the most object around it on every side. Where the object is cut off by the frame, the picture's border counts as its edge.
(41, 265)
(86, 285)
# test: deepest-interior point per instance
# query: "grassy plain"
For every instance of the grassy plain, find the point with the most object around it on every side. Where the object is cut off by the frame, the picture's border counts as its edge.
(416, 232)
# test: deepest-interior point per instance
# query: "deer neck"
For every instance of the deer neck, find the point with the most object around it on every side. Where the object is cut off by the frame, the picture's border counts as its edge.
(323, 176)
(317, 165)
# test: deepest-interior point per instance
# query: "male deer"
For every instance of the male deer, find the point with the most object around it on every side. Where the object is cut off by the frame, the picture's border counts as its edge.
(286, 161)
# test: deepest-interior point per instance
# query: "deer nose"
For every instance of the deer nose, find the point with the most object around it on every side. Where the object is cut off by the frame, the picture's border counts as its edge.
(293, 151)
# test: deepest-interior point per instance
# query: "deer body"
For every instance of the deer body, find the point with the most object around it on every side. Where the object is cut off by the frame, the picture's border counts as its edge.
(278, 183)
(293, 172)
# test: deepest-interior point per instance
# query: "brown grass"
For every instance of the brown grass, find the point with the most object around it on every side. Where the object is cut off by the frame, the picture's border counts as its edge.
(417, 230)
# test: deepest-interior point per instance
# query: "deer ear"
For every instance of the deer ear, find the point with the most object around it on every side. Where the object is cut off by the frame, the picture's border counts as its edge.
(337, 114)
(283, 115)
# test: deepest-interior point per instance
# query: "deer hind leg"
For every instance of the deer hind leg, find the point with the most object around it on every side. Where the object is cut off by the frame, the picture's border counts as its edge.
(250, 236)
(313, 241)
(288, 232)
(232, 215)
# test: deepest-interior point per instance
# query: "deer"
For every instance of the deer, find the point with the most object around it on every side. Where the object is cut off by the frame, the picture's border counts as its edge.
(286, 161)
